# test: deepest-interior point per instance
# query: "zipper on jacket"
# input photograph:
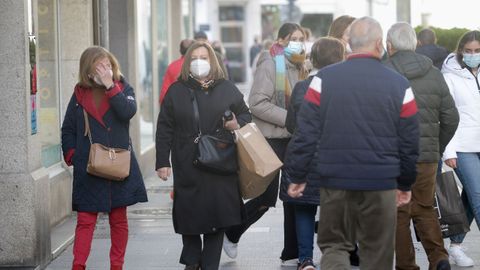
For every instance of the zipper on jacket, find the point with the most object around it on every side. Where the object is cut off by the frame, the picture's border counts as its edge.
(476, 78)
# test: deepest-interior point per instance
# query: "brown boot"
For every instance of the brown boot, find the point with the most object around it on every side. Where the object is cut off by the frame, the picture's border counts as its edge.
(192, 267)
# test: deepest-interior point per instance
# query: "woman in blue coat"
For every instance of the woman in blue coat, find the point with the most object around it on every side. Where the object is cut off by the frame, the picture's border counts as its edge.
(110, 104)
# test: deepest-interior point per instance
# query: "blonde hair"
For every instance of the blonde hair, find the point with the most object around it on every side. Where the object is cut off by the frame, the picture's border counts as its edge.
(339, 25)
(216, 71)
(87, 61)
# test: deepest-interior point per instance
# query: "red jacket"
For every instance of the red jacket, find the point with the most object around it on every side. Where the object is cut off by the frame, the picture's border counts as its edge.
(171, 75)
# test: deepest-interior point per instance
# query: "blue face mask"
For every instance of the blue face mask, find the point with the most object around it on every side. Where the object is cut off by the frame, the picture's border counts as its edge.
(471, 59)
(294, 47)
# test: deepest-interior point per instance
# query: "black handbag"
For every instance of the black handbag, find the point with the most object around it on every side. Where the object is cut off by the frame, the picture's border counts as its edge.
(213, 154)
(450, 209)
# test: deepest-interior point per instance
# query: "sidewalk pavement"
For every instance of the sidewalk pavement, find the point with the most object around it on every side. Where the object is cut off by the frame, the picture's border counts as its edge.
(153, 245)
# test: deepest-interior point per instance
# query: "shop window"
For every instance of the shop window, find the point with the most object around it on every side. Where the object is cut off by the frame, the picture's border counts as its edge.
(232, 13)
(232, 34)
(318, 23)
(145, 80)
(232, 27)
(162, 39)
(187, 18)
(48, 83)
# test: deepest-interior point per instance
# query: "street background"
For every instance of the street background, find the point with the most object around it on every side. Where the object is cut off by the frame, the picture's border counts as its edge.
(153, 244)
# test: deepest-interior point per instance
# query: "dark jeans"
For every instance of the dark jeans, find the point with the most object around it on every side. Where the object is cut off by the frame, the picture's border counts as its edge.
(257, 207)
(206, 255)
(305, 223)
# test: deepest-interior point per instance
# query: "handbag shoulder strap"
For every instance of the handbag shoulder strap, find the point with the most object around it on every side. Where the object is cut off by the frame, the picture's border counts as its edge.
(89, 133)
(195, 111)
(87, 126)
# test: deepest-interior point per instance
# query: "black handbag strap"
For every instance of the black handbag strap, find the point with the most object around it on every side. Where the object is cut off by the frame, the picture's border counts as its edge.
(196, 113)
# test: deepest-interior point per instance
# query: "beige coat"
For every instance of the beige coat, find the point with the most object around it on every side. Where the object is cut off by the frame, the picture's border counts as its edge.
(269, 117)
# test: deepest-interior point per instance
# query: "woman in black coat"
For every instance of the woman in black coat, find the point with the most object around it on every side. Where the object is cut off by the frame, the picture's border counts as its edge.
(110, 104)
(204, 202)
(325, 51)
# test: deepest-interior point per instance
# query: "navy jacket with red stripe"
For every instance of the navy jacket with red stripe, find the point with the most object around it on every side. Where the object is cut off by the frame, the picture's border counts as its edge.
(357, 129)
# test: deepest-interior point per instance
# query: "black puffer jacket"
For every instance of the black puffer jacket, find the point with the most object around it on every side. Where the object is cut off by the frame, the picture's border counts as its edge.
(437, 111)
(436, 53)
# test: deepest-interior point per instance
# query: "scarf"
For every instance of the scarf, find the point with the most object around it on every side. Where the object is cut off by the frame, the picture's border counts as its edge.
(282, 84)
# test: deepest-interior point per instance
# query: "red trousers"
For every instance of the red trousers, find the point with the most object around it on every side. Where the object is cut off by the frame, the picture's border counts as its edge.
(84, 234)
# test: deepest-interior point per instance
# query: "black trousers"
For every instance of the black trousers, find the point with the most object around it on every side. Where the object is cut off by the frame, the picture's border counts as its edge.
(257, 207)
(207, 257)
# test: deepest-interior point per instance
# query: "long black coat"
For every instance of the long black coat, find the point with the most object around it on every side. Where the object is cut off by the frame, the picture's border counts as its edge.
(109, 126)
(203, 201)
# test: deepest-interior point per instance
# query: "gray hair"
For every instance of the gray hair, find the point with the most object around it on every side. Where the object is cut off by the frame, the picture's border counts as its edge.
(364, 32)
(402, 37)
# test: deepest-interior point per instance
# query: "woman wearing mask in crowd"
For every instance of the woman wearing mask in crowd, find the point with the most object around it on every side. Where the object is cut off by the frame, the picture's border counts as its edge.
(278, 70)
(461, 70)
(325, 51)
(109, 101)
(204, 203)
(339, 29)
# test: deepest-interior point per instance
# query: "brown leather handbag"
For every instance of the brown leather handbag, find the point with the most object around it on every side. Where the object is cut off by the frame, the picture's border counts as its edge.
(106, 162)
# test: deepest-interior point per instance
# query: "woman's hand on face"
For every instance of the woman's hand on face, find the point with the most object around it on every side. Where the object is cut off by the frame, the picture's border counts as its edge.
(164, 173)
(104, 75)
(451, 162)
(232, 124)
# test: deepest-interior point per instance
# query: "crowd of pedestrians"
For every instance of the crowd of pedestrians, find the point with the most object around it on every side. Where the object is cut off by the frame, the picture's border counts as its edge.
(362, 129)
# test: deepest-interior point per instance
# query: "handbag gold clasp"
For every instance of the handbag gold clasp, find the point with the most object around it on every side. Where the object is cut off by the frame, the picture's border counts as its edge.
(111, 154)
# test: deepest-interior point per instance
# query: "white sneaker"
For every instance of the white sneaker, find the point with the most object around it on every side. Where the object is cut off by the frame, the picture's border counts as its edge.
(229, 248)
(458, 257)
(292, 262)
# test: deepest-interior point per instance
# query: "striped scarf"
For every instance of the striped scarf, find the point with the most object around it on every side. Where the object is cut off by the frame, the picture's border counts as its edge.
(282, 85)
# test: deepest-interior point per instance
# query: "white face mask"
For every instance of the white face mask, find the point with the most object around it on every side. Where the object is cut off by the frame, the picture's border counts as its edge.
(200, 68)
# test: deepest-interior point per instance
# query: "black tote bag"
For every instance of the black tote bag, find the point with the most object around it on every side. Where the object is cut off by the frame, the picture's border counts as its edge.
(449, 206)
(213, 153)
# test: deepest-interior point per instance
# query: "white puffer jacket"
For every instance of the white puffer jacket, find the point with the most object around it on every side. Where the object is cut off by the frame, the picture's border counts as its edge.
(465, 90)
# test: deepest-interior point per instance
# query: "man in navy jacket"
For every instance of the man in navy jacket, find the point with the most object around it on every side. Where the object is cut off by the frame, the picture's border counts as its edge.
(357, 136)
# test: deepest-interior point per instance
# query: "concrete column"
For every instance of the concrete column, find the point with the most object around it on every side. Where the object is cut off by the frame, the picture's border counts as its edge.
(25, 233)
(175, 23)
(123, 44)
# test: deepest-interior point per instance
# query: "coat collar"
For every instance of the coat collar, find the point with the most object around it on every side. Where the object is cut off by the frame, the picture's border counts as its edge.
(362, 55)
(84, 97)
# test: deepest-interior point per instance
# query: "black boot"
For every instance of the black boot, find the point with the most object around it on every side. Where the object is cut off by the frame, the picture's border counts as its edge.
(443, 265)
(192, 267)
(354, 259)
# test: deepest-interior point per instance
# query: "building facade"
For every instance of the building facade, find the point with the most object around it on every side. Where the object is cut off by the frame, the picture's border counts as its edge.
(237, 22)
(41, 44)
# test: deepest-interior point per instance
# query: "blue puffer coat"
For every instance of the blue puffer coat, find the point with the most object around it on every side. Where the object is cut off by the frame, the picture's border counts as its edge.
(109, 124)
(311, 194)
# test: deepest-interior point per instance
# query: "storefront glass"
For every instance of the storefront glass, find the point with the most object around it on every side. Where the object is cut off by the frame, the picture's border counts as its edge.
(144, 64)
(47, 74)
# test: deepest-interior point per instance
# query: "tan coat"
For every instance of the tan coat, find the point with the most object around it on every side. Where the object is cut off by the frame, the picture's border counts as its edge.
(269, 117)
